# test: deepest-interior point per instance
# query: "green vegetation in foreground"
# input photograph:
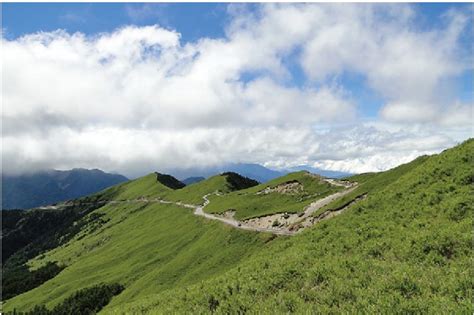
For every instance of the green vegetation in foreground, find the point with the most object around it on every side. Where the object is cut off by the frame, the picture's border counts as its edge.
(146, 247)
(406, 249)
(248, 204)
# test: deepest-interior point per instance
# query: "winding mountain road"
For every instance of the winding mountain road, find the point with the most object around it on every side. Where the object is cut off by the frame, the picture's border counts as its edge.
(304, 218)
(199, 210)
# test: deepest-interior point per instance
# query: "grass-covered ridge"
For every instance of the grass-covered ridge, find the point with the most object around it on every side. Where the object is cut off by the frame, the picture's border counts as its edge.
(144, 187)
(289, 193)
(156, 185)
(407, 248)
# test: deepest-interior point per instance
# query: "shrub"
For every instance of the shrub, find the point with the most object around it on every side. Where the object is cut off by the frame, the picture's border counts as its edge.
(87, 301)
(238, 182)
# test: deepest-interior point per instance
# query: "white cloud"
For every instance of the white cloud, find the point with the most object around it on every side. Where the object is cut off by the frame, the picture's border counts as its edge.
(137, 98)
(406, 65)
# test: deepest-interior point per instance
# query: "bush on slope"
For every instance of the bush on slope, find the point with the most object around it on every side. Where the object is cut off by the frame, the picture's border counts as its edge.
(169, 181)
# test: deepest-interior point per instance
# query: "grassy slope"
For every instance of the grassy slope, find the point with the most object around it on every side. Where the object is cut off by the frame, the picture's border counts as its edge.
(248, 204)
(406, 249)
(193, 193)
(145, 247)
(372, 182)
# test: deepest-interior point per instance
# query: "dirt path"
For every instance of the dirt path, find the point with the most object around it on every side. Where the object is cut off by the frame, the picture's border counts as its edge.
(233, 222)
(289, 224)
(318, 204)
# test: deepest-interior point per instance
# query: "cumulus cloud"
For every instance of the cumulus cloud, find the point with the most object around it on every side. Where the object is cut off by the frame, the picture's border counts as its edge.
(138, 98)
(404, 64)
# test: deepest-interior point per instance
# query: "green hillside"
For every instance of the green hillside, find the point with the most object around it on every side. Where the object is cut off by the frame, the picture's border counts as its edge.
(138, 240)
(405, 248)
(297, 190)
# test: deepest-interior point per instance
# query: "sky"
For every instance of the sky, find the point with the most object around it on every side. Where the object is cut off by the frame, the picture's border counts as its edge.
(135, 88)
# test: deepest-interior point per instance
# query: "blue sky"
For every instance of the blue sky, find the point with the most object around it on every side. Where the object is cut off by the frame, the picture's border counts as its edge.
(192, 20)
(400, 74)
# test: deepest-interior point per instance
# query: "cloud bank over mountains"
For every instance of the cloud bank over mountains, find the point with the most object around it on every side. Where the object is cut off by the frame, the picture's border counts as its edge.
(139, 99)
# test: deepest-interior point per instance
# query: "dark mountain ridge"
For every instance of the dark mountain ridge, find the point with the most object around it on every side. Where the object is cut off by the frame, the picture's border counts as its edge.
(48, 187)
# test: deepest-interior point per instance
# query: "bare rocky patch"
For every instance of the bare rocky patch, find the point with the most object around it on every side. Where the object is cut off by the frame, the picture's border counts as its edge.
(274, 221)
(288, 188)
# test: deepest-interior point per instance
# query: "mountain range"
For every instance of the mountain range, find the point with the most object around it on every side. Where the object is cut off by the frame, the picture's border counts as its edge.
(398, 241)
(48, 187)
